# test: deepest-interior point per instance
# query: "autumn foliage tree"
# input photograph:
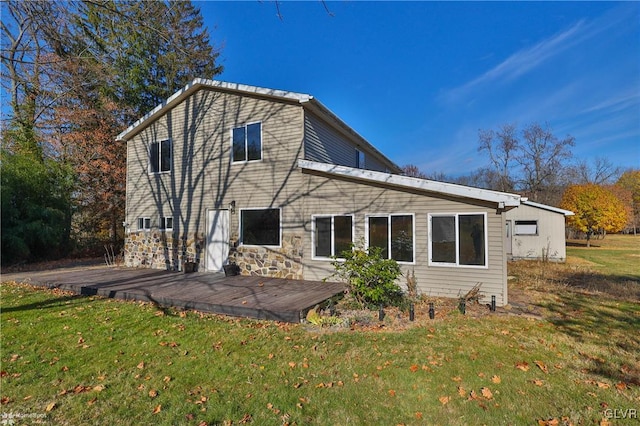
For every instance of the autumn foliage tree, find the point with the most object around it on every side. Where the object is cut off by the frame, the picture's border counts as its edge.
(630, 181)
(77, 74)
(596, 209)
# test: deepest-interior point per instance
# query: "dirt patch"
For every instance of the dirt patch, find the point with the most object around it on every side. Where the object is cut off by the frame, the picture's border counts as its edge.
(53, 264)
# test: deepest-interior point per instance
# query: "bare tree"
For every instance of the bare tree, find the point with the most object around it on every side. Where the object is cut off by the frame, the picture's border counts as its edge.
(600, 172)
(501, 146)
(543, 163)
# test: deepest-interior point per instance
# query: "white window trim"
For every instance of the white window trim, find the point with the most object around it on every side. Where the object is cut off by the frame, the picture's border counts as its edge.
(159, 142)
(163, 221)
(241, 242)
(388, 216)
(144, 220)
(515, 228)
(457, 231)
(333, 248)
(246, 151)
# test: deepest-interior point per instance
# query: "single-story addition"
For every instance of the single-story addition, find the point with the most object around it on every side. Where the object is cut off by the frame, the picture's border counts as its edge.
(536, 231)
(276, 183)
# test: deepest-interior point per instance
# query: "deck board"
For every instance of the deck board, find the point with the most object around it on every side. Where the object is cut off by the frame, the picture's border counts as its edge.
(253, 297)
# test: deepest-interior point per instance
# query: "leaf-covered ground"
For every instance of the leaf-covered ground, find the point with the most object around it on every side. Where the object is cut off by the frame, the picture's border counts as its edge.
(565, 353)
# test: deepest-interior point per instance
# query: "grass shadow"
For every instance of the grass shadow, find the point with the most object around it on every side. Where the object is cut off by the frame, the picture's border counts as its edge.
(609, 325)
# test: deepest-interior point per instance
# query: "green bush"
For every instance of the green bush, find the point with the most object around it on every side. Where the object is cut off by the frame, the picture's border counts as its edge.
(371, 278)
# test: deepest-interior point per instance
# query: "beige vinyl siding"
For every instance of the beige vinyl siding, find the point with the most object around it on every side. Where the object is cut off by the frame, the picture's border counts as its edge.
(550, 238)
(203, 176)
(338, 196)
(324, 144)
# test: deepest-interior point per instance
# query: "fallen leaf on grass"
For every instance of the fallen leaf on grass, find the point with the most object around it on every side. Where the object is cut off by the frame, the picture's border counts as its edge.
(444, 400)
(538, 382)
(414, 368)
(550, 422)
(621, 386)
(418, 415)
(523, 365)
(5, 400)
(50, 407)
(486, 392)
(141, 365)
(496, 379)
(392, 392)
(157, 409)
(98, 388)
(153, 393)
(542, 366)
(461, 391)
(92, 401)
(602, 385)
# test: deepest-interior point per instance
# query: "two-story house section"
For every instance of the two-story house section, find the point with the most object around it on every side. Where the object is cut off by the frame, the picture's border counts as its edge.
(276, 183)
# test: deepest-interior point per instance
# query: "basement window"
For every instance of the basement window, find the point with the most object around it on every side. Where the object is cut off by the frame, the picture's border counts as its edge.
(144, 223)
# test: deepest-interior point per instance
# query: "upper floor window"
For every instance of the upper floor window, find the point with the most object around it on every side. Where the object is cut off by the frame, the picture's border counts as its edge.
(359, 159)
(393, 234)
(160, 156)
(247, 142)
(458, 239)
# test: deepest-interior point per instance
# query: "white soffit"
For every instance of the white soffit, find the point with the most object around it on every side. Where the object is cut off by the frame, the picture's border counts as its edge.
(503, 199)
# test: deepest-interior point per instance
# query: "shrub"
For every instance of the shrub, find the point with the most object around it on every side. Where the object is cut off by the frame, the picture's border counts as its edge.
(371, 278)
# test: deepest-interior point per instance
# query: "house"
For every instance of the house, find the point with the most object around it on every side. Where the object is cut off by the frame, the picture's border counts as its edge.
(275, 182)
(536, 231)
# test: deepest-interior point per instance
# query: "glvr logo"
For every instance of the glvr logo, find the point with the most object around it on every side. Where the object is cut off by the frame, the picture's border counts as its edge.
(619, 413)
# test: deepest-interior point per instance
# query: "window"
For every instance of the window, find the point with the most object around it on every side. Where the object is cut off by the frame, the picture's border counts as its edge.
(166, 223)
(260, 227)
(458, 239)
(247, 142)
(144, 223)
(393, 234)
(359, 159)
(160, 156)
(332, 235)
(526, 227)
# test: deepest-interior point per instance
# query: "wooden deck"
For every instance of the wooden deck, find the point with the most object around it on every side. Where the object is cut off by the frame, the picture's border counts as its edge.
(252, 297)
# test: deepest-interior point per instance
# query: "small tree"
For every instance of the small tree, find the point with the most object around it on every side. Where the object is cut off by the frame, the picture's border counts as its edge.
(370, 278)
(595, 208)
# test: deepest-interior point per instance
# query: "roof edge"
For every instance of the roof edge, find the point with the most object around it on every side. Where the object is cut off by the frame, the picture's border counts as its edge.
(198, 83)
(503, 199)
(547, 207)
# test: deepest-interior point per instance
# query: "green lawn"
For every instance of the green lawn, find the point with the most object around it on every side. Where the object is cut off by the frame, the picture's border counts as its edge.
(85, 360)
(615, 254)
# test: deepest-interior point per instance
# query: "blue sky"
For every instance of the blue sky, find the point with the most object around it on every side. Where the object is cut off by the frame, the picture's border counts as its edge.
(419, 79)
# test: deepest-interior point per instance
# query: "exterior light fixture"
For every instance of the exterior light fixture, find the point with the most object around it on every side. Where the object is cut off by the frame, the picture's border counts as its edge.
(432, 311)
(232, 207)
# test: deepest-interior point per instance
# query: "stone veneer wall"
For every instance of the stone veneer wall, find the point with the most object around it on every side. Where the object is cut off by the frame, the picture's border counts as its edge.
(161, 250)
(282, 262)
